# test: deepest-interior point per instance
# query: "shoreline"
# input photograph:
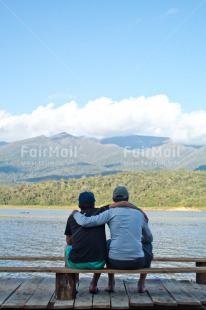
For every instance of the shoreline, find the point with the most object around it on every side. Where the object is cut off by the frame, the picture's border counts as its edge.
(154, 209)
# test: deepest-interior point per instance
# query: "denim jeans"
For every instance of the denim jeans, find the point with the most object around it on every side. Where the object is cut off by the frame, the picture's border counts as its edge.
(141, 262)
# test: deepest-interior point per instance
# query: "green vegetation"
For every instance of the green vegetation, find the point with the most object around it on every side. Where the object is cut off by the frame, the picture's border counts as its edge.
(150, 189)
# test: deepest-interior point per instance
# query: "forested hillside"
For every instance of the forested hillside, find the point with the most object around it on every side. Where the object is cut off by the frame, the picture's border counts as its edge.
(147, 189)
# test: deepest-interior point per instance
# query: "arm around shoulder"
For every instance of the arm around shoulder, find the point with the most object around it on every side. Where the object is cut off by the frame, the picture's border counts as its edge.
(95, 220)
(127, 204)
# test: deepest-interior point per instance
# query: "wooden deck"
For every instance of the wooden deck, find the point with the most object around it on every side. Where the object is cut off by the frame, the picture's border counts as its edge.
(37, 292)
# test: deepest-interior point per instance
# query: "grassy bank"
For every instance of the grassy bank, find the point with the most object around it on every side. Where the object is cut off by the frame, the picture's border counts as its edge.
(55, 207)
(38, 207)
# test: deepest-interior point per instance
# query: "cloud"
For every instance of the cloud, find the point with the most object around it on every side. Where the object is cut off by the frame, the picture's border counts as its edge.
(172, 11)
(61, 96)
(103, 117)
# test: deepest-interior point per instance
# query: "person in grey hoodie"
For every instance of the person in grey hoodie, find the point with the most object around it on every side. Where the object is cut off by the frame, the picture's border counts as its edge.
(130, 246)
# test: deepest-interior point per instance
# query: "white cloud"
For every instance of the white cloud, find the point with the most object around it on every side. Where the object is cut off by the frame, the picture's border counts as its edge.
(172, 11)
(62, 96)
(104, 117)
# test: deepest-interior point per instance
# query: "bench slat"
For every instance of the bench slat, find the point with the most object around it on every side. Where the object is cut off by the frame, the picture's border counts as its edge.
(179, 259)
(32, 258)
(61, 258)
(69, 270)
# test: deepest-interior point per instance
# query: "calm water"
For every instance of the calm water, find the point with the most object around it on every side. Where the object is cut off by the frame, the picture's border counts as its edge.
(41, 232)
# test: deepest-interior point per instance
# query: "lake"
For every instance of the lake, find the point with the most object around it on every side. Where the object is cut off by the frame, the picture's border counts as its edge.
(41, 232)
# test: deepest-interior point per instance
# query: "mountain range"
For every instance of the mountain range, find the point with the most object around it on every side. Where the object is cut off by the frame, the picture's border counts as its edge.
(65, 156)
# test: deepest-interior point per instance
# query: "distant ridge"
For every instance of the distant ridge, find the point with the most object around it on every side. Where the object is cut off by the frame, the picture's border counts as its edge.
(201, 168)
(136, 141)
(2, 143)
(62, 135)
(64, 156)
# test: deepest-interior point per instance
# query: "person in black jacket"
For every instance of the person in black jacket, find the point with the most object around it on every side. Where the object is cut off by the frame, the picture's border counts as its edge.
(86, 247)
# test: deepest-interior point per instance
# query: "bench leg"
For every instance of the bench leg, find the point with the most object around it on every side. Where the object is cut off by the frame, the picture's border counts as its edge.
(201, 277)
(65, 286)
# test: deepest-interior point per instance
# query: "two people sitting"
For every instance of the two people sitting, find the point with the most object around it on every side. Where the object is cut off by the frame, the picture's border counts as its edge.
(130, 246)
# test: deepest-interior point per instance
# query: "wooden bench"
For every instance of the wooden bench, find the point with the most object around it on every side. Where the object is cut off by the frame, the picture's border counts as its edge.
(66, 279)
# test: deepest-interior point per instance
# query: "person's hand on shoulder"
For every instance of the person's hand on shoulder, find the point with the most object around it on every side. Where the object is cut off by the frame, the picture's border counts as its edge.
(73, 212)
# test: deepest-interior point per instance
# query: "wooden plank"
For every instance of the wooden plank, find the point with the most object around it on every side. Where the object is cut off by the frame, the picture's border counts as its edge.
(197, 290)
(42, 296)
(7, 287)
(159, 294)
(60, 304)
(179, 293)
(61, 258)
(137, 271)
(19, 298)
(202, 286)
(33, 258)
(63, 304)
(119, 299)
(84, 298)
(102, 298)
(137, 299)
(179, 259)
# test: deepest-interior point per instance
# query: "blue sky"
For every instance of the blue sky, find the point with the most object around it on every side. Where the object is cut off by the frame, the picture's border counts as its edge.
(80, 51)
